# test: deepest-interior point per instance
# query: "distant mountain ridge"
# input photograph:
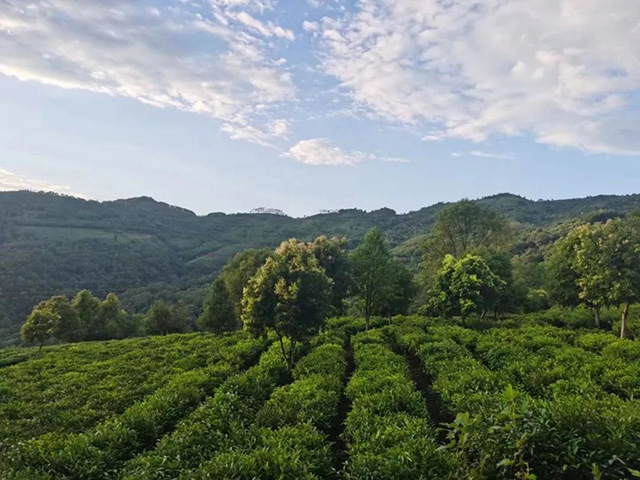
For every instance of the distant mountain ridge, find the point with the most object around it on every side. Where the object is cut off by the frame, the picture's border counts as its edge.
(143, 249)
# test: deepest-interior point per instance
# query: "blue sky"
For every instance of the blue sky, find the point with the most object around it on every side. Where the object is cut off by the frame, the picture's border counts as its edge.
(227, 105)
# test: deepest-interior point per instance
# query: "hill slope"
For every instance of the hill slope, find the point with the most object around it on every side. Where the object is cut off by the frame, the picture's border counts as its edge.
(143, 249)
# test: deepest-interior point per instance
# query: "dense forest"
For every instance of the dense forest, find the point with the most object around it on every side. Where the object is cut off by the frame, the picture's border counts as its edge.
(143, 250)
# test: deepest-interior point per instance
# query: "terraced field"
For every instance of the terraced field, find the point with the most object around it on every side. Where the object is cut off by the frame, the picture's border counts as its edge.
(411, 399)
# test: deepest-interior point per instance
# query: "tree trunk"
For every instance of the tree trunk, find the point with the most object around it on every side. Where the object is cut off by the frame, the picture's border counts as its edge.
(291, 354)
(596, 311)
(40, 349)
(623, 325)
(282, 349)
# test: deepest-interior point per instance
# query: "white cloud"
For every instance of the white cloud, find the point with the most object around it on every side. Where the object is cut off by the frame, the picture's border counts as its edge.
(262, 136)
(186, 55)
(310, 26)
(499, 156)
(265, 29)
(320, 151)
(12, 182)
(566, 72)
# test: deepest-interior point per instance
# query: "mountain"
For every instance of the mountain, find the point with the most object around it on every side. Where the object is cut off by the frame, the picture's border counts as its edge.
(143, 249)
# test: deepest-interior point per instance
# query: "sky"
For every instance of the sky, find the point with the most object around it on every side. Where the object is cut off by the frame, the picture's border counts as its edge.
(307, 105)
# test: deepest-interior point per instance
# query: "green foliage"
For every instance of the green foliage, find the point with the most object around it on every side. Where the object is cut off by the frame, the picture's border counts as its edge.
(103, 449)
(387, 433)
(332, 257)
(465, 287)
(40, 325)
(290, 295)
(531, 402)
(598, 265)
(239, 270)
(463, 228)
(145, 250)
(217, 423)
(382, 285)
(219, 314)
(163, 319)
(83, 384)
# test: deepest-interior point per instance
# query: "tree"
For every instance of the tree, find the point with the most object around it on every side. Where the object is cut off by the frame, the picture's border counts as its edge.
(399, 291)
(507, 296)
(219, 314)
(372, 267)
(290, 295)
(69, 328)
(180, 317)
(159, 319)
(465, 287)
(40, 326)
(332, 257)
(563, 275)
(608, 263)
(163, 319)
(86, 306)
(462, 228)
(110, 319)
(237, 273)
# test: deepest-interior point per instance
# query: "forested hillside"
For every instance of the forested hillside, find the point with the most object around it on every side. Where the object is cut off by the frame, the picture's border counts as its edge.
(142, 249)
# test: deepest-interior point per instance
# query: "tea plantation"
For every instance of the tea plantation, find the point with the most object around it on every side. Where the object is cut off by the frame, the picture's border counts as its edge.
(410, 398)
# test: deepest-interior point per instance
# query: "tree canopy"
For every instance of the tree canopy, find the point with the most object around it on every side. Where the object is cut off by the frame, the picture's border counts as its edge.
(290, 295)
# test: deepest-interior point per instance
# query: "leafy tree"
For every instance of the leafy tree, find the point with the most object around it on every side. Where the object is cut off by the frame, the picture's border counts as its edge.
(465, 287)
(372, 266)
(563, 277)
(86, 306)
(290, 295)
(110, 319)
(219, 314)
(163, 319)
(462, 228)
(159, 320)
(399, 292)
(507, 295)
(237, 273)
(332, 257)
(40, 326)
(608, 263)
(180, 317)
(69, 328)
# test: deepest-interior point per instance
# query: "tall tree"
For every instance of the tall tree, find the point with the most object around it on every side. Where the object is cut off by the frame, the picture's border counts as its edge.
(608, 263)
(110, 319)
(164, 319)
(219, 314)
(564, 277)
(290, 295)
(86, 306)
(372, 264)
(462, 228)
(180, 317)
(159, 320)
(399, 292)
(237, 273)
(40, 326)
(332, 257)
(69, 328)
